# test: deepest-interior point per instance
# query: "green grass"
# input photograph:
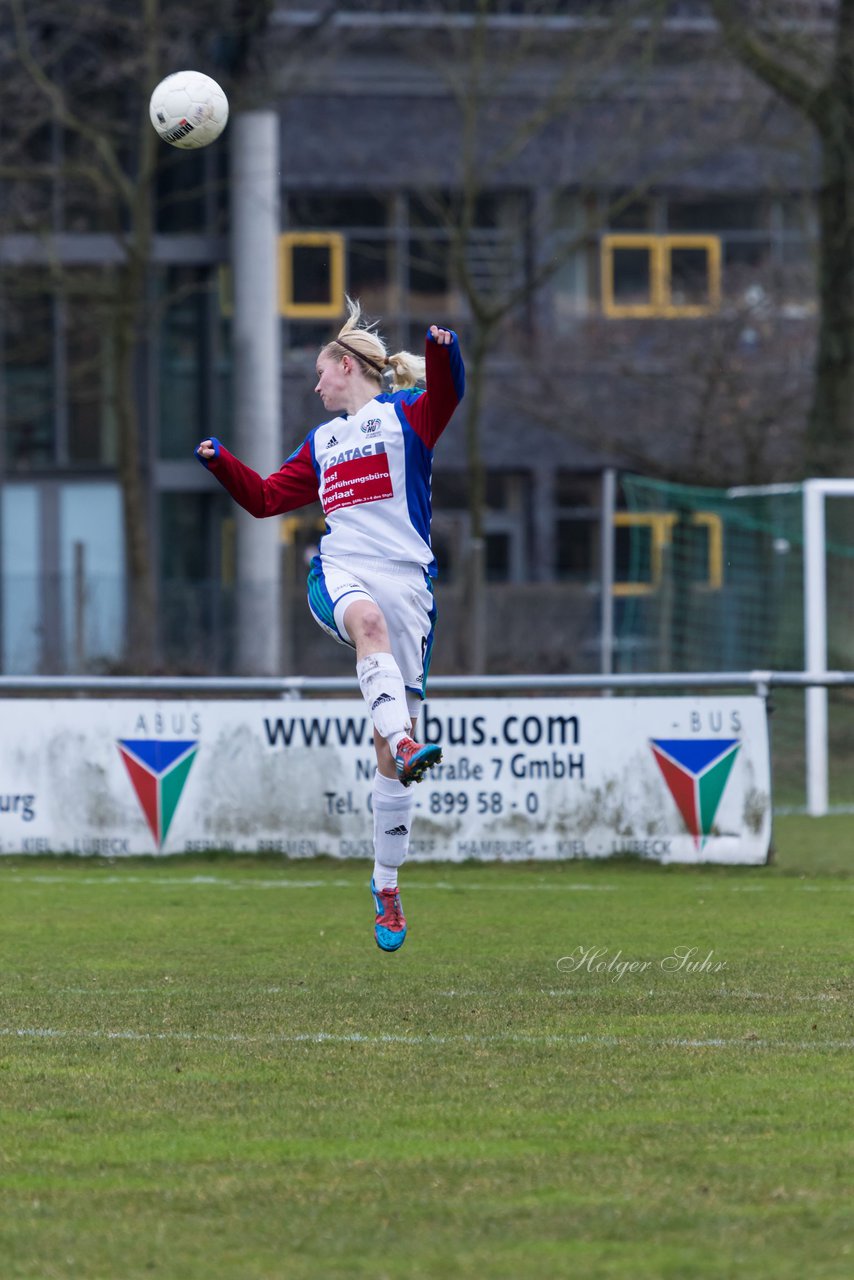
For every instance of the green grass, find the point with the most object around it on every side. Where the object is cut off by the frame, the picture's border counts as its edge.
(208, 1070)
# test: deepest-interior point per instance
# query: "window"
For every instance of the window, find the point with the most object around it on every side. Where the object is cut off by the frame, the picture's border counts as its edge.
(369, 271)
(495, 248)
(505, 523)
(29, 147)
(689, 283)
(57, 351)
(450, 490)
(499, 549)
(575, 245)
(635, 216)
(708, 215)
(628, 284)
(30, 391)
(428, 253)
(311, 280)
(20, 585)
(90, 365)
(354, 253)
(91, 558)
(319, 212)
(765, 244)
(196, 573)
(676, 255)
(649, 275)
(637, 557)
(577, 527)
(87, 202)
(576, 547)
(194, 368)
(191, 190)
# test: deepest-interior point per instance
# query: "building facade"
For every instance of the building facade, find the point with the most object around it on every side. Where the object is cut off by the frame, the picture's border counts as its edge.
(626, 225)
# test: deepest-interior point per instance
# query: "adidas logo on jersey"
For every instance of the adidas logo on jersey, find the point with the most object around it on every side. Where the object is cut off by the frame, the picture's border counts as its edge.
(384, 697)
(398, 831)
(331, 442)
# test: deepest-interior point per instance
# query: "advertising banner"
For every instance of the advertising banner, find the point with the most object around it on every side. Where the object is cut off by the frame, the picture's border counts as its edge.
(674, 779)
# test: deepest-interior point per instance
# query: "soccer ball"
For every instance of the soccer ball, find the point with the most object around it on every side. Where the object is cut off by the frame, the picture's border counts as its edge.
(188, 109)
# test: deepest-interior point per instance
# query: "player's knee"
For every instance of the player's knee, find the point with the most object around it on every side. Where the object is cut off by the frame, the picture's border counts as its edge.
(365, 624)
(372, 625)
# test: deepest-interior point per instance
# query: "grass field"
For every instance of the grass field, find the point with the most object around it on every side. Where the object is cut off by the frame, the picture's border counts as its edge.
(207, 1069)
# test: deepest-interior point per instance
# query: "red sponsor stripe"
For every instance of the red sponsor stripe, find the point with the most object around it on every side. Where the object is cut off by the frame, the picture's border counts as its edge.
(356, 481)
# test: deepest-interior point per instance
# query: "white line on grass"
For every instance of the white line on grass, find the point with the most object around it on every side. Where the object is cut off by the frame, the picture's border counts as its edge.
(559, 993)
(417, 1041)
(563, 993)
(220, 882)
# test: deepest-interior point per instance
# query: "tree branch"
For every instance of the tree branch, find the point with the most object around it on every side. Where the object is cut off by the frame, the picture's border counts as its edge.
(753, 54)
(53, 93)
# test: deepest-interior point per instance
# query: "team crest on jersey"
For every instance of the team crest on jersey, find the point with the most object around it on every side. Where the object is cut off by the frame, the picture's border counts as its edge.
(371, 427)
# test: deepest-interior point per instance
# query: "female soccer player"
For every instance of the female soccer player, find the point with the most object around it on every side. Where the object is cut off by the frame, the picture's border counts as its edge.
(370, 585)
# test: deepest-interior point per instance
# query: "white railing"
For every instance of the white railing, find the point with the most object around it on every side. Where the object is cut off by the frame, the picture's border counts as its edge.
(305, 686)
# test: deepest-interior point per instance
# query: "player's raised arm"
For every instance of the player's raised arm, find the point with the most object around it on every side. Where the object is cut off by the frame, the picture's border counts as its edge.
(446, 384)
(293, 485)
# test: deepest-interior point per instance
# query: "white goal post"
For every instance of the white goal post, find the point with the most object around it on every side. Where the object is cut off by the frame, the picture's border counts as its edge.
(815, 494)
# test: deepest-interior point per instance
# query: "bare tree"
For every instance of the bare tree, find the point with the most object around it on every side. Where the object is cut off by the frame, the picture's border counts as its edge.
(511, 83)
(518, 90)
(805, 54)
(88, 67)
(729, 410)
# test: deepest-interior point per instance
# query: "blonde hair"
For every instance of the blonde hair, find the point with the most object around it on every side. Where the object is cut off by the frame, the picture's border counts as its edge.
(363, 342)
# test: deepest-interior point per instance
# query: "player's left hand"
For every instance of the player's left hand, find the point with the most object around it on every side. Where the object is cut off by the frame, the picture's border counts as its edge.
(444, 337)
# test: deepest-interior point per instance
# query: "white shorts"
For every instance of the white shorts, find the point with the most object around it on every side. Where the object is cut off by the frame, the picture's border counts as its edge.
(402, 591)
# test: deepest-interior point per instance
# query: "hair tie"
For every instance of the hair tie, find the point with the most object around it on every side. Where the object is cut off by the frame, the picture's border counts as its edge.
(359, 356)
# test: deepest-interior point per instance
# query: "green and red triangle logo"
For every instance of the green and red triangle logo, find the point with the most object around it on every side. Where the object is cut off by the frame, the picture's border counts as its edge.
(158, 771)
(696, 772)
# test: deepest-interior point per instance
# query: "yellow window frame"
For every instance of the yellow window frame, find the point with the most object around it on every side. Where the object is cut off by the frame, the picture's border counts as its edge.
(660, 249)
(334, 242)
(660, 524)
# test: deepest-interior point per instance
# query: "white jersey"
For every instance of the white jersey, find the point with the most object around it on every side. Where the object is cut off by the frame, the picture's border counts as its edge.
(371, 470)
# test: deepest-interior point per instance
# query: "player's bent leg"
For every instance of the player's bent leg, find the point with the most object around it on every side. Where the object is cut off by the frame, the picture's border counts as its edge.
(365, 624)
(379, 675)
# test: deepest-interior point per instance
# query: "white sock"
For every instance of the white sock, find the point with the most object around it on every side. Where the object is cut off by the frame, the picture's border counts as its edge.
(393, 804)
(385, 694)
(384, 877)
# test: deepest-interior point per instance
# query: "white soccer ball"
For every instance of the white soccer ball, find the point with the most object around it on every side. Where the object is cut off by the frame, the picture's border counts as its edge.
(188, 109)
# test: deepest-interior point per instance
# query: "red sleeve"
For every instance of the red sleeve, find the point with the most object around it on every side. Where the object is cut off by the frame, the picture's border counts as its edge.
(293, 485)
(430, 413)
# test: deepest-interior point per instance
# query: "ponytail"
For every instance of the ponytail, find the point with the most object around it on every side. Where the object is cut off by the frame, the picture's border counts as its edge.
(363, 343)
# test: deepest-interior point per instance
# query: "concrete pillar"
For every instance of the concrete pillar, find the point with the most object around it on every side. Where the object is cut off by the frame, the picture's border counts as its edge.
(255, 223)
